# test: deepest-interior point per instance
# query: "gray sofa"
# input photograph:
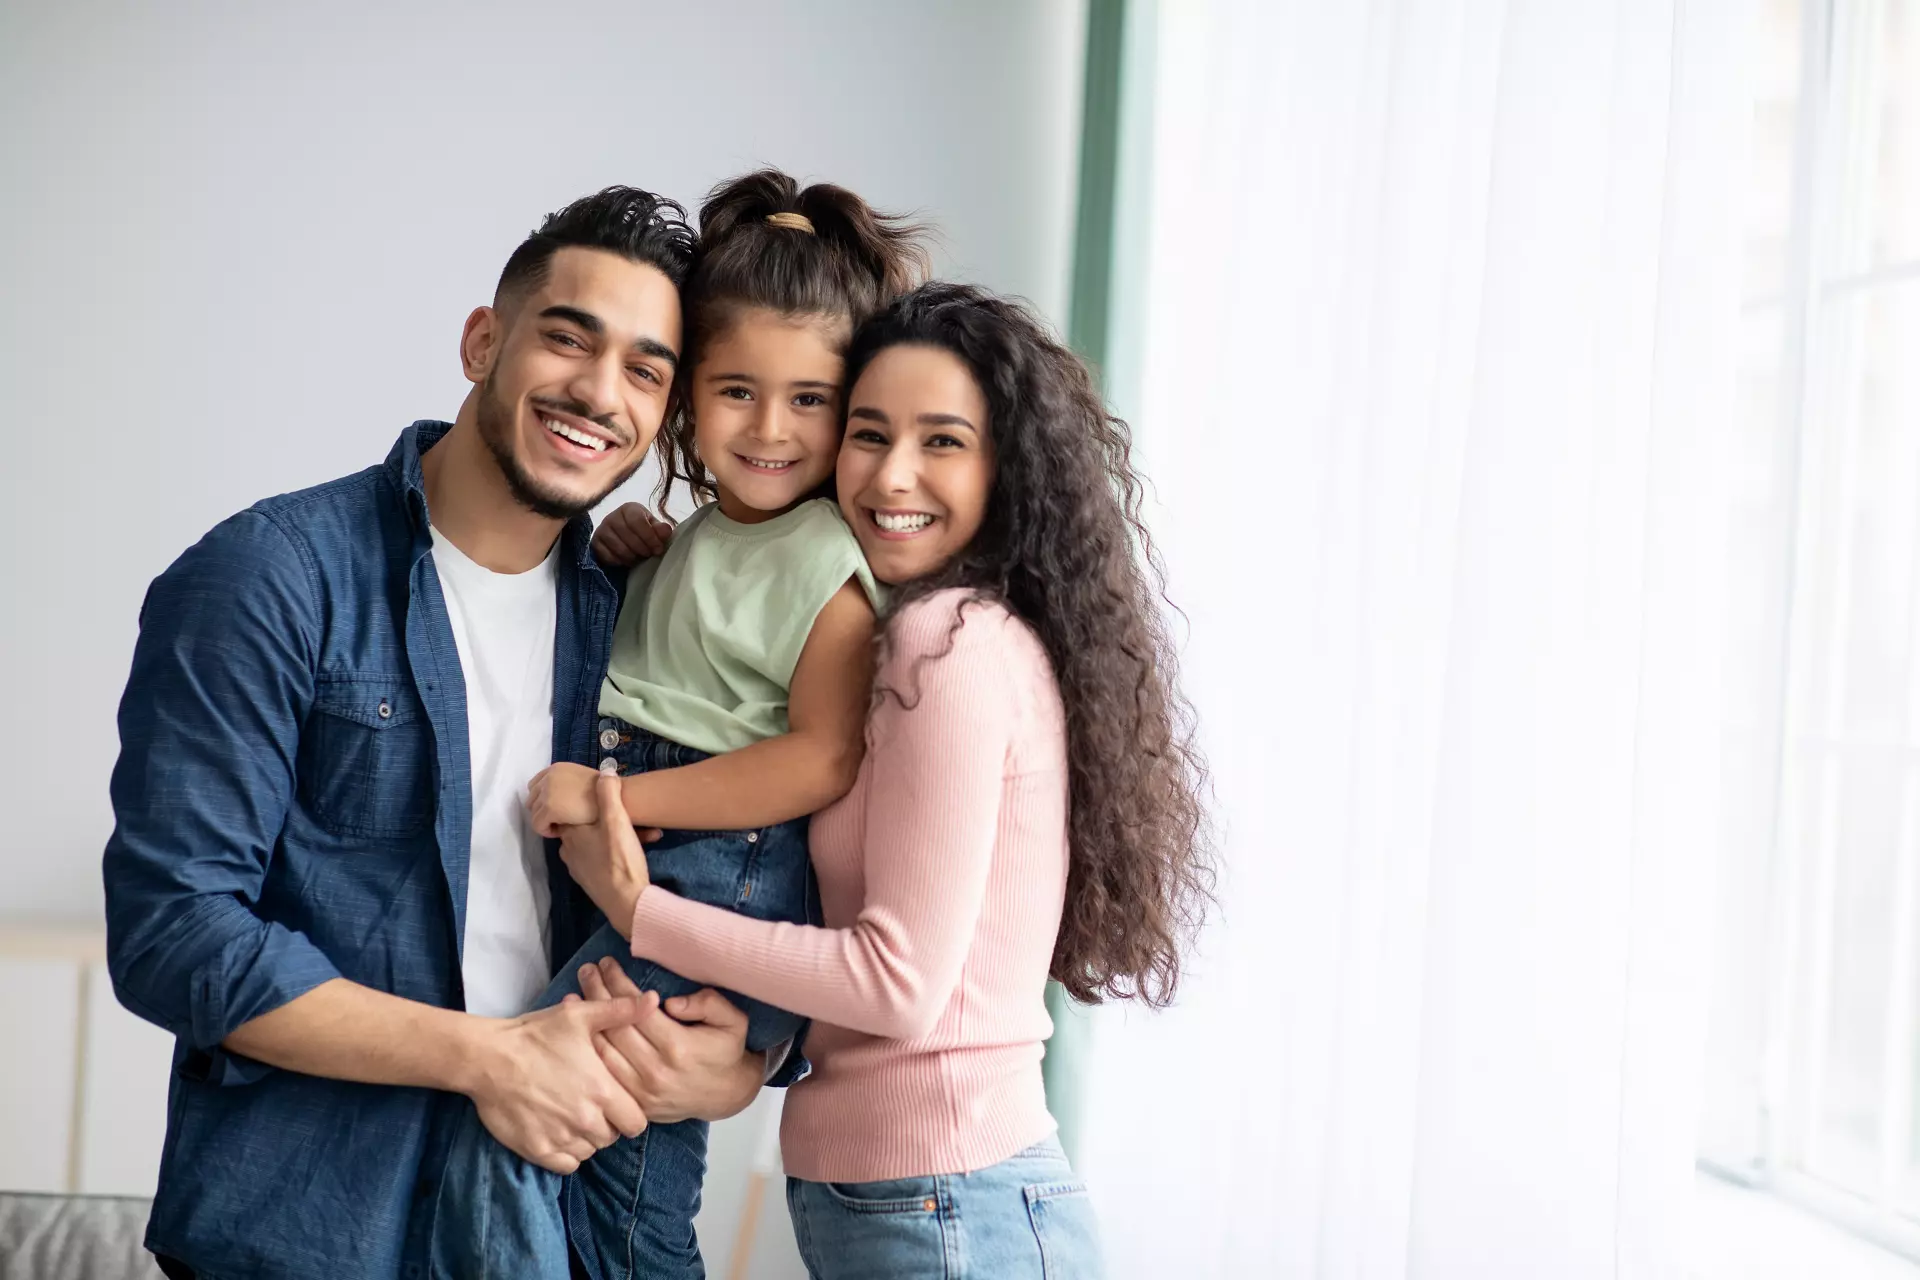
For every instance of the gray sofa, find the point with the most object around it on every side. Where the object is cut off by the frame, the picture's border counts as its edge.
(45, 1237)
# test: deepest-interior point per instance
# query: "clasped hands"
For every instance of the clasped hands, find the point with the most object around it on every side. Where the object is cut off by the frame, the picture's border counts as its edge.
(558, 1084)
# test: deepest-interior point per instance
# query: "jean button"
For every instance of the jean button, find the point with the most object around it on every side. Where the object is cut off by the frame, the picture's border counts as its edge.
(753, 837)
(609, 765)
(609, 739)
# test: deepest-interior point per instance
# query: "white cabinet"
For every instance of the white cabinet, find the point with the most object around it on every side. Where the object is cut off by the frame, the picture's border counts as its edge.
(40, 1009)
(123, 1095)
(83, 1083)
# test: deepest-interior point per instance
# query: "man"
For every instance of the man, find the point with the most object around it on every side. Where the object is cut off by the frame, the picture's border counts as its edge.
(322, 879)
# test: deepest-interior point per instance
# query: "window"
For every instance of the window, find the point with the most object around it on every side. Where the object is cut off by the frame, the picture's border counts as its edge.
(1814, 1066)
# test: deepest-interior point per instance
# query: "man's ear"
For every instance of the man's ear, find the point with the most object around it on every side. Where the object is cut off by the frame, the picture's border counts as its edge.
(480, 343)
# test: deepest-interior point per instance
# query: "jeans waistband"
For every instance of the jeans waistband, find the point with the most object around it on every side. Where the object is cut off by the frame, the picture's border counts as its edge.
(640, 749)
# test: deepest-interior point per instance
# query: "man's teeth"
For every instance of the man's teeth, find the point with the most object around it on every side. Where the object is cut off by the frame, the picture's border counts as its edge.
(763, 464)
(574, 434)
(902, 524)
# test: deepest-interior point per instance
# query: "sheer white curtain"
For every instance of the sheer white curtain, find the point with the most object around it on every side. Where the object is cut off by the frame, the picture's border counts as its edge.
(1432, 363)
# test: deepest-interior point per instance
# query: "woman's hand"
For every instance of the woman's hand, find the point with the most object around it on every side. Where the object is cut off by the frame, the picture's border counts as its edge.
(694, 1064)
(630, 534)
(604, 856)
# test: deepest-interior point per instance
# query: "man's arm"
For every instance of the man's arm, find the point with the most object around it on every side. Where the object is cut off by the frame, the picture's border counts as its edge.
(209, 728)
(537, 1081)
(222, 680)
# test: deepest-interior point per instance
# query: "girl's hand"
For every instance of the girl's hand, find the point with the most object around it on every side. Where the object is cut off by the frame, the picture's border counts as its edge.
(562, 795)
(630, 534)
(605, 857)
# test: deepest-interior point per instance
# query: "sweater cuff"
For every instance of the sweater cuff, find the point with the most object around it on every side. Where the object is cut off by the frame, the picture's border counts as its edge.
(659, 920)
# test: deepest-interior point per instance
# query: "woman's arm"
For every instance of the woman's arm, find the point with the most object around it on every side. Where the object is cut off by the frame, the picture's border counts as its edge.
(790, 776)
(932, 811)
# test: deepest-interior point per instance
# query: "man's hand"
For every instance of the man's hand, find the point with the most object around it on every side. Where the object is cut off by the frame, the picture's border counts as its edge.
(543, 1089)
(604, 857)
(698, 1067)
(630, 534)
(562, 795)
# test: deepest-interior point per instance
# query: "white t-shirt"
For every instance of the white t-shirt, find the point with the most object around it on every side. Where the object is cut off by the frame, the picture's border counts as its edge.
(503, 626)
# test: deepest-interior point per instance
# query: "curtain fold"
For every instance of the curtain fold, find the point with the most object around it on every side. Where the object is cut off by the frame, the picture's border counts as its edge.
(1435, 338)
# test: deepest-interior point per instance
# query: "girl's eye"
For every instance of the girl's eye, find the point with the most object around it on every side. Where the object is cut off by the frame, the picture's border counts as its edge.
(809, 400)
(736, 393)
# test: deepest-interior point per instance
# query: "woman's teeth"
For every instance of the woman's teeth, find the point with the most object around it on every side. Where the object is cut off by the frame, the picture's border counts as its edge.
(902, 523)
(574, 434)
(762, 464)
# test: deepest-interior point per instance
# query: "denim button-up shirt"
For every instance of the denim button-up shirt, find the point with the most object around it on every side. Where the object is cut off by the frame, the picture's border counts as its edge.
(293, 805)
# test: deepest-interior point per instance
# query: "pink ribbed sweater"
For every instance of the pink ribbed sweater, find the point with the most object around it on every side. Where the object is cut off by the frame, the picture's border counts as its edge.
(942, 875)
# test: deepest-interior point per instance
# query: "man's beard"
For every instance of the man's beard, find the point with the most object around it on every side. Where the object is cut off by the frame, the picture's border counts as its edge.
(496, 429)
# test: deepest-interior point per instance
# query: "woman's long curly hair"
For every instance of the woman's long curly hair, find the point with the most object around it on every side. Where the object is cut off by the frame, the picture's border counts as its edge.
(1062, 547)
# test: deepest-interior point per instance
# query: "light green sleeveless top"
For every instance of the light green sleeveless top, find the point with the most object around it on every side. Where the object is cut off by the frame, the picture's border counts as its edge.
(706, 644)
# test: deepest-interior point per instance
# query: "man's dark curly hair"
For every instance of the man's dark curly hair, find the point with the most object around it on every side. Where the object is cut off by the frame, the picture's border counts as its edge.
(638, 225)
(1062, 547)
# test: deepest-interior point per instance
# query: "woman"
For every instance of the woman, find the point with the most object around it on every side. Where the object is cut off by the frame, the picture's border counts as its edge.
(1028, 805)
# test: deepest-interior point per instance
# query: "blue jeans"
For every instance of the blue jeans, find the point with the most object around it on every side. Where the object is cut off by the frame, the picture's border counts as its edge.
(629, 1211)
(1026, 1218)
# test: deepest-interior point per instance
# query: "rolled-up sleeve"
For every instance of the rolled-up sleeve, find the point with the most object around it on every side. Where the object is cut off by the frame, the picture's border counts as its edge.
(210, 723)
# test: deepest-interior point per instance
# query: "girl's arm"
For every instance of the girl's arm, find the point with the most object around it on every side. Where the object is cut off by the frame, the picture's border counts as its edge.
(790, 776)
(797, 773)
(932, 812)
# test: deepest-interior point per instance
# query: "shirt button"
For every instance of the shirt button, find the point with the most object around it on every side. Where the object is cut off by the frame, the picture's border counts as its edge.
(609, 739)
(609, 765)
(753, 837)
(386, 709)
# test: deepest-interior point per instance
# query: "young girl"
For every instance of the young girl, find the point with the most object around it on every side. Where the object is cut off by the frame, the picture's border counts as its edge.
(1029, 804)
(736, 694)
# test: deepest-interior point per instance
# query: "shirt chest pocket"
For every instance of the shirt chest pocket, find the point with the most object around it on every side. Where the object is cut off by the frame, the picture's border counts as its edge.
(366, 758)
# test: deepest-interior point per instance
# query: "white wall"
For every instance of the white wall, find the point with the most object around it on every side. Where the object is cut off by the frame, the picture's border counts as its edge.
(237, 242)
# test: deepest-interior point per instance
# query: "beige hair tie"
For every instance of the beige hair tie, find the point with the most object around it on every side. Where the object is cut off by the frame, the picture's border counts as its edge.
(798, 221)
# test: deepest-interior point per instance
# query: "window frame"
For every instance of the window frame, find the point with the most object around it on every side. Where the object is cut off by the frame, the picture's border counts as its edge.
(1818, 339)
